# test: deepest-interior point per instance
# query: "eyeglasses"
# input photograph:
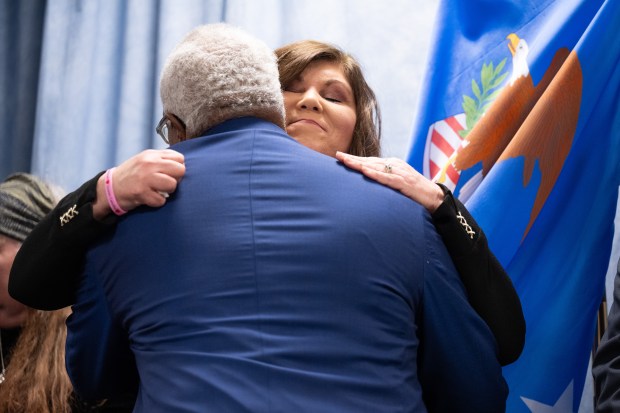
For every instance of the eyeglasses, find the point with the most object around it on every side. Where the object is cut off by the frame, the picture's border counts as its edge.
(168, 123)
(162, 129)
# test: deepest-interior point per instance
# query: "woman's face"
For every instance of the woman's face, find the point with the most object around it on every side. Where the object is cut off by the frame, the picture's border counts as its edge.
(320, 108)
(12, 313)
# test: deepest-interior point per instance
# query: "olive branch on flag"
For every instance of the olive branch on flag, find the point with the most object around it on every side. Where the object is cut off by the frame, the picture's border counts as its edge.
(490, 79)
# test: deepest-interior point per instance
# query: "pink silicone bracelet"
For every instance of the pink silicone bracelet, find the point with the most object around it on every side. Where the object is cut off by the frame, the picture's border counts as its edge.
(109, 192)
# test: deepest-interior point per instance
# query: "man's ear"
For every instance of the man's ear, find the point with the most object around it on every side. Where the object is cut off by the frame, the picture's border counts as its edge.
(181, 134)
(179, 131)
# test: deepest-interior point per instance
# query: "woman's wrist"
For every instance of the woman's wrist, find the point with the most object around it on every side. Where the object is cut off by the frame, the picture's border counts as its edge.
(101, 208)
(109, 193)
(437, 198)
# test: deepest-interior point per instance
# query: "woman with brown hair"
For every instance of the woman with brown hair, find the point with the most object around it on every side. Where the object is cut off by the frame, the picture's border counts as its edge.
(33, 377)
(36, 379)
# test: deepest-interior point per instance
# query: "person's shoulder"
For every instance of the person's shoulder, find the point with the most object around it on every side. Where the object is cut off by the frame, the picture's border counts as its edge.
(395, 201)
(246, 123)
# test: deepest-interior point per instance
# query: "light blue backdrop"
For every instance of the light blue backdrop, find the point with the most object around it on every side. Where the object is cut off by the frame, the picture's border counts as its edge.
(91, 69)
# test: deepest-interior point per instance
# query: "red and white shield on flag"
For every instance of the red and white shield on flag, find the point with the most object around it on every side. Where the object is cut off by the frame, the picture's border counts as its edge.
(442, 143)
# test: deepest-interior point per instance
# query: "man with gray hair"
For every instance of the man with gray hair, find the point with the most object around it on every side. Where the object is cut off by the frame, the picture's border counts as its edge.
(273, 279)
(218, 73)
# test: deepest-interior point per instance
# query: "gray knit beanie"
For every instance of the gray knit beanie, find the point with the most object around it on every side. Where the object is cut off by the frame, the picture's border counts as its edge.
(24, 201)
(219, 72)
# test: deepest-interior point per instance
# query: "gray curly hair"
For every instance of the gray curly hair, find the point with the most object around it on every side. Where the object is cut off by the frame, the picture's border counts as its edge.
(219, 72)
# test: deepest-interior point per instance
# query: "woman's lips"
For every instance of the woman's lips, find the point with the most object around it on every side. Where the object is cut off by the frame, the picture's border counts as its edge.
(310, 122)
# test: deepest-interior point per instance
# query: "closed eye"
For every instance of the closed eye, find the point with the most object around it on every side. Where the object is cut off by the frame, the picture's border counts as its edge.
(335, 100)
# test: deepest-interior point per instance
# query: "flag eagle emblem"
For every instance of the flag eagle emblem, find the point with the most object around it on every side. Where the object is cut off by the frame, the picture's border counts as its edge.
(536, 122)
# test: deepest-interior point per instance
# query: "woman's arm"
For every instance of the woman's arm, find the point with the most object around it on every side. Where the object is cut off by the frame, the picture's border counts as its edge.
(489, 288)
(46, 269)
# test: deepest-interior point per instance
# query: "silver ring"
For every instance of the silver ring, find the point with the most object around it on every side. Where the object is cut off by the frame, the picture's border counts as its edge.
(387, 168)
(164, 194)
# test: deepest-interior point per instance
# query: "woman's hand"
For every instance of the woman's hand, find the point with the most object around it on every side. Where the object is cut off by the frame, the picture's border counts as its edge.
(144, 179)
(399, 175)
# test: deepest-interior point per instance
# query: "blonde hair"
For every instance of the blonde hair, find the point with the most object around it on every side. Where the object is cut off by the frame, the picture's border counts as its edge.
(36, 378)
(295, 57)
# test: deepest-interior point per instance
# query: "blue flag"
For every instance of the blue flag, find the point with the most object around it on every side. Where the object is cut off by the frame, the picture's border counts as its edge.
(520, 116)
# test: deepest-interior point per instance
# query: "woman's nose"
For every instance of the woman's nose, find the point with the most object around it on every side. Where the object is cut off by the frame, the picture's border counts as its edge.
(310, 101)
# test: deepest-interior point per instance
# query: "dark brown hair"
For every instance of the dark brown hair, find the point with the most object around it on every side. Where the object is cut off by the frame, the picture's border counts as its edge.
(295, 57)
